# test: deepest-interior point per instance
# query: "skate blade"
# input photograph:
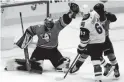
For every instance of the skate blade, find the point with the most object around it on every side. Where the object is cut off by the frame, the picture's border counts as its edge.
(115, 78)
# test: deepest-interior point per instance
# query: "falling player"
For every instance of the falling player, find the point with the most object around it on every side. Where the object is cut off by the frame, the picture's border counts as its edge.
(106, 18)
(92, 38)
(47, 42)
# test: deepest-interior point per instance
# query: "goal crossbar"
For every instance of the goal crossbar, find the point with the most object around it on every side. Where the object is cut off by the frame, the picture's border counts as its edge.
(27, 3)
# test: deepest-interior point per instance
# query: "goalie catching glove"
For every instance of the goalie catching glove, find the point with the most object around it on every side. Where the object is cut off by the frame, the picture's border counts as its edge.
(74, 9)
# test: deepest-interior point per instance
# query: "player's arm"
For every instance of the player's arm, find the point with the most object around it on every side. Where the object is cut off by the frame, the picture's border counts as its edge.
(63, 21)
(27, 37)
(84, 39)
(67, 18)
(111, 17)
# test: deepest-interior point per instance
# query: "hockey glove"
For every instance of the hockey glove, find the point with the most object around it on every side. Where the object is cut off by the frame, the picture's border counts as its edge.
(111, 17)
(74, 9)
(82, 50)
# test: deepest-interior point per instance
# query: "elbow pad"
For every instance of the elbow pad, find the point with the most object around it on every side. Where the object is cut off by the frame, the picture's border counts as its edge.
(84, 35)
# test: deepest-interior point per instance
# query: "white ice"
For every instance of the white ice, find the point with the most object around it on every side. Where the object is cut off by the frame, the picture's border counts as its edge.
(68, 41)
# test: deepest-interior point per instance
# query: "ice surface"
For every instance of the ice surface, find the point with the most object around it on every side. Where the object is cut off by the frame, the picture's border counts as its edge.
(68, 41)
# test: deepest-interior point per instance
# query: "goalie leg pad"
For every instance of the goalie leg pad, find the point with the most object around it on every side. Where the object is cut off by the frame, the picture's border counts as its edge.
(11, 65)
(20, 64)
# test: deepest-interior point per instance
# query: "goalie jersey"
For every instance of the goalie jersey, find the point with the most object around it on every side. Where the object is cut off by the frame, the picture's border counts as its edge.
(91, 30)
(46, 39)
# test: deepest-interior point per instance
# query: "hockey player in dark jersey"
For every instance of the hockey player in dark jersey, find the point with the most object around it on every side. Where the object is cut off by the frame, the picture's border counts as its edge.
(106, 18)
(47, 41)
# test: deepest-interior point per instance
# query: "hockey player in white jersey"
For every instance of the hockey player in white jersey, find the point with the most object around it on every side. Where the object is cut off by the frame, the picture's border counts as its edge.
(105, 18)
(92, 38)
(47, 42)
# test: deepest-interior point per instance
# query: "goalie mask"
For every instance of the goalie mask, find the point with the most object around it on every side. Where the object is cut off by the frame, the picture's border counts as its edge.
(48, 23)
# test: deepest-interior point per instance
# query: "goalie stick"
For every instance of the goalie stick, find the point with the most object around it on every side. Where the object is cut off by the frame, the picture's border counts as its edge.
(72, 65)
(28, 65)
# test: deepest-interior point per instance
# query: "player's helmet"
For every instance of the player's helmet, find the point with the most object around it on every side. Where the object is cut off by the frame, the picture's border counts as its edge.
(48, 22)
(99, 8)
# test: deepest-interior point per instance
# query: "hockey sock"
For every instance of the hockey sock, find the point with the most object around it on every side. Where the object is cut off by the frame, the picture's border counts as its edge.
(103, 61)
(97, 69)
(112, 59)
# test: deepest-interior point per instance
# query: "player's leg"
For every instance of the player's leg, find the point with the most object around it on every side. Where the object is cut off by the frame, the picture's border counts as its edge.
(109, 52)
(20, 64)
(38, 55)
(97, 70)
(108, 68)
(59, 62)
(78, 63)
(83, 55)
(96, 53)
(34, 60)
(114, 64)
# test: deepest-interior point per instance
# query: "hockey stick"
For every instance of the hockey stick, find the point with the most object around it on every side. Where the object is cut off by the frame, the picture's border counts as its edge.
(28, 65)
(73, 63)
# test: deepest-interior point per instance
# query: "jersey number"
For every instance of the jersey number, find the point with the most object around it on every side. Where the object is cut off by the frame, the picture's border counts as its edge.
(98, 28)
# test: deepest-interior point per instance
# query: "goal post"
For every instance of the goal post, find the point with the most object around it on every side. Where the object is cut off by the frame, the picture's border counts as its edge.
(10, 18)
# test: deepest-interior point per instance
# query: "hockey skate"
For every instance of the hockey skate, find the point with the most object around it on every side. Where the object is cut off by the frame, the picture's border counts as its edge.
(108, 68)
(116, 71)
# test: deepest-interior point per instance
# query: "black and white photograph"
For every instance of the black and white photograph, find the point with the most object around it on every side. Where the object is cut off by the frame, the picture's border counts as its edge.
(62, 41)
